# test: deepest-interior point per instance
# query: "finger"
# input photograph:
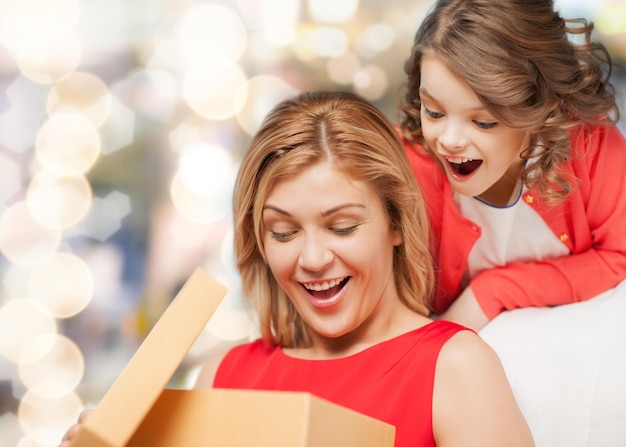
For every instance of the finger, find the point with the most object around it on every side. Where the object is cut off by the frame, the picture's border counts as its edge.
(84, 415)
(71, 432)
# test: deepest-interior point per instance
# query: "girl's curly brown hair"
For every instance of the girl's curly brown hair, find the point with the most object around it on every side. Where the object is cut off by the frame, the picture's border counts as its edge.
(531, 69)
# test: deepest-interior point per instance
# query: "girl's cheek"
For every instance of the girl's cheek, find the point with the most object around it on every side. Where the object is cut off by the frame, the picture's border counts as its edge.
(428, 137)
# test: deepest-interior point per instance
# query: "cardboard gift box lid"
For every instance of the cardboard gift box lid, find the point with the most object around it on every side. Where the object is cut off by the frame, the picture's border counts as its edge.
(135, 391)
(137, 411)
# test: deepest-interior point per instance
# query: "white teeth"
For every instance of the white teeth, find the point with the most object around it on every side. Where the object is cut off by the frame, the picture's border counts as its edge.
(319, 286)
(458, 160)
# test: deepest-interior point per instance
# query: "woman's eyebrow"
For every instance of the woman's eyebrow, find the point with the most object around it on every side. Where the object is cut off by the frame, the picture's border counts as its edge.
(278, 210)
(341, 207)
(323, 213)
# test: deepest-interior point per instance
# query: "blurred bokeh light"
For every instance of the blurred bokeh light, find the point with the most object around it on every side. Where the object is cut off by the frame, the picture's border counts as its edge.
(122, 126)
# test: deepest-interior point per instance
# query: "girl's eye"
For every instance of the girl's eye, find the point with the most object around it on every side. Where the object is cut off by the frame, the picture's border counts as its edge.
(344, 231)
(485, 125)
(282, 236)
(432, 113)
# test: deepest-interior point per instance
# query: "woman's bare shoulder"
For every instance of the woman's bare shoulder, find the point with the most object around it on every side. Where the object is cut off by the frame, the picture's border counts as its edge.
(467, 349)
(473, 404)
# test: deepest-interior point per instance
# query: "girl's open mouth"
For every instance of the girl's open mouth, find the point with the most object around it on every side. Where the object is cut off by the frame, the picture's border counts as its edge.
(463, 167)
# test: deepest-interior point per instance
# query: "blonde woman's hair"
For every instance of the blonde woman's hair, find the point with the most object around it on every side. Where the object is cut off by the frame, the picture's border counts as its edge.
(359, 141)
(519, 58)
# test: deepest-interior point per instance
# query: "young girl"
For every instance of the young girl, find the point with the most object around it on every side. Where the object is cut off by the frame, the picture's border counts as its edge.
(510, 131)
(331, 240)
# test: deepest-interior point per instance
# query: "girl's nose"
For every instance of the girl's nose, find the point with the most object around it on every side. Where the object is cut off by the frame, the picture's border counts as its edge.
(453, 138)
(315, 255)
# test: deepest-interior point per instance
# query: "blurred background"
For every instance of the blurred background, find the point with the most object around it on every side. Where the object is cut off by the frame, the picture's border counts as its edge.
(122, 124)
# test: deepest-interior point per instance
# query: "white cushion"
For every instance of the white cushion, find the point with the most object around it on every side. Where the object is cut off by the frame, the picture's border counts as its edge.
(567, 369)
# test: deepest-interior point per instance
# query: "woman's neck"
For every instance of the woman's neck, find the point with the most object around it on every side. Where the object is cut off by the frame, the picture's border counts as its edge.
(368, 334)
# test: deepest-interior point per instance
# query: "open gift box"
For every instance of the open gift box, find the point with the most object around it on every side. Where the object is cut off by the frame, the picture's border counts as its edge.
(138, 412)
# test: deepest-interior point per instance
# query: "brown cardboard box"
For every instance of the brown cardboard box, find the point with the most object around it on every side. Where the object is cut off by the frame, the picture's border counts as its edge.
(138, 412)
(245, 418)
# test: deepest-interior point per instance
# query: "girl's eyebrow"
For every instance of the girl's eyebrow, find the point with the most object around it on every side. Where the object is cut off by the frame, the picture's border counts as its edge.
(424, 92)
(323, 213)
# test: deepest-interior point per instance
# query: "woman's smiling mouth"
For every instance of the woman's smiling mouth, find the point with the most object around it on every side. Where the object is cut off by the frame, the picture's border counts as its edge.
(325, 293)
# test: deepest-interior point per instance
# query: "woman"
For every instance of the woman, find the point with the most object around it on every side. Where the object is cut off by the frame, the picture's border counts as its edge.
(332, 246)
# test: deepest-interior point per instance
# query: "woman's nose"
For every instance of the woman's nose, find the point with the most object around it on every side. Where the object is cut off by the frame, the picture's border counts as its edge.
(315, 254)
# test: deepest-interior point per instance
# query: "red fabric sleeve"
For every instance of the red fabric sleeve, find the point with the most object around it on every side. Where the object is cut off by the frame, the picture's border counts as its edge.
(595, 215)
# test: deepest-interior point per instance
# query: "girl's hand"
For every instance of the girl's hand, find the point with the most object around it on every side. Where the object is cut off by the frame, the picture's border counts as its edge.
(466, 311)
(70, 434)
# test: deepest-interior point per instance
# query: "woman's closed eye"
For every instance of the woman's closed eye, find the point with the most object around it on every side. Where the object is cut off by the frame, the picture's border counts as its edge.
(344, 231)
(282, 236)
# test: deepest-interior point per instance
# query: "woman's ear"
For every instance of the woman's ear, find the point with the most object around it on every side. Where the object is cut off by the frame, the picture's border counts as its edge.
(397, 237)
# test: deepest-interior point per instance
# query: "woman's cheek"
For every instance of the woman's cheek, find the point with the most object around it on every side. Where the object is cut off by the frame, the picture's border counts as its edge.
(280, 257)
